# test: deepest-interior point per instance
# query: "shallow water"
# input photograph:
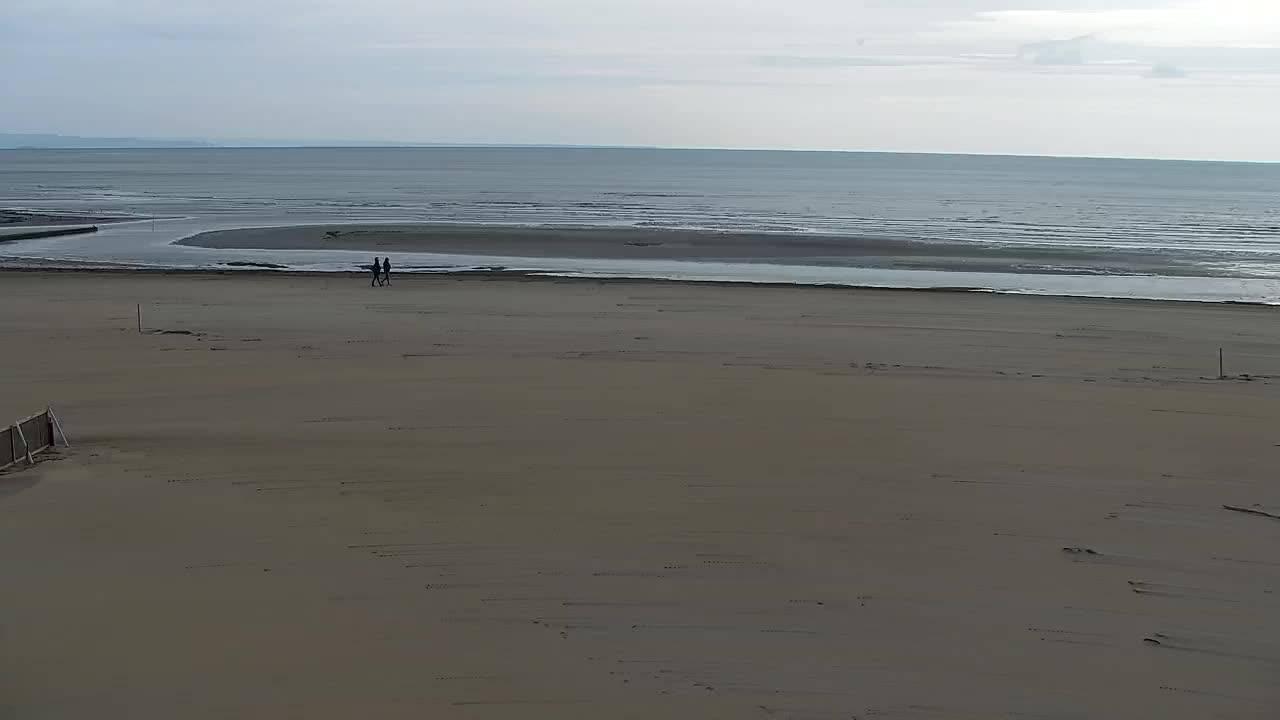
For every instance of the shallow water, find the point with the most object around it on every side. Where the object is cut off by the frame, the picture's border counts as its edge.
(1205, 231)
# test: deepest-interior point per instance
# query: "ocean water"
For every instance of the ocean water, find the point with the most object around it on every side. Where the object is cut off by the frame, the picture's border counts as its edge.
(1130, 228)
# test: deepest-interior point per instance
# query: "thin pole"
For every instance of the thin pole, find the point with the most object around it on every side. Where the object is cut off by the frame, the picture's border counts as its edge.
(139, 317)
(58, 425)
(1221, 375)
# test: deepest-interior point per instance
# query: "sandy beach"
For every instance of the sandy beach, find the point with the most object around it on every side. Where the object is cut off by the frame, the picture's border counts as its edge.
(302, 497)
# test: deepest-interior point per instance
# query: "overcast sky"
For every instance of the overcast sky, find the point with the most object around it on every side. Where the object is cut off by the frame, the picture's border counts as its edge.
(1134, 78)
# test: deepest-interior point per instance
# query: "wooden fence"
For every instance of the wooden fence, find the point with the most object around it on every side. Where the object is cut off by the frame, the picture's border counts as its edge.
(25, 439)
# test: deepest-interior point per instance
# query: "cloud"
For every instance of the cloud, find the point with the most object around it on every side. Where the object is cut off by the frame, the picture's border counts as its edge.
(1166, 71)
(1056, 52)
(889, 74)
(1184, 23)
(829, 61)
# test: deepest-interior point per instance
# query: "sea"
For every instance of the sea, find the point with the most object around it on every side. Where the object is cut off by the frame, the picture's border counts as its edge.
(1200, 231)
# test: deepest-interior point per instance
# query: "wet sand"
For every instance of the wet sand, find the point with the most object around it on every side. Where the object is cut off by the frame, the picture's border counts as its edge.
(668, 244)
(476, 498)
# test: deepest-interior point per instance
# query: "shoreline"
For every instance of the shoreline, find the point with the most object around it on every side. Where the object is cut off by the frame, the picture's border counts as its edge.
(539, 276)
(686, 256)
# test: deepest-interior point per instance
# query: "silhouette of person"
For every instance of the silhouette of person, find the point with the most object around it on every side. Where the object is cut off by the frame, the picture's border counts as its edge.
(377, 272)
(386, 271)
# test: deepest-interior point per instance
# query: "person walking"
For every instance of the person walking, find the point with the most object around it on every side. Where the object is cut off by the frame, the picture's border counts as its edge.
(386, 271)
(377, 272)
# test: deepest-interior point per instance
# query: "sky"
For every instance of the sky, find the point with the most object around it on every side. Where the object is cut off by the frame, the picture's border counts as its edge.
(1195, 79)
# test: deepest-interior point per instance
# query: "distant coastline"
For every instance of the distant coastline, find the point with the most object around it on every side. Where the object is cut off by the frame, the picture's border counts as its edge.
(38, 141)
(17, 141)
(41, 141)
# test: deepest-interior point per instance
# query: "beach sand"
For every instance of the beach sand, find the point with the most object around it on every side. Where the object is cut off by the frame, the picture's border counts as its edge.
(300, 497)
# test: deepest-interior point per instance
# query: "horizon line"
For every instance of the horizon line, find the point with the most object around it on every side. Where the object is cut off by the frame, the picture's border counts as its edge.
(249, 144)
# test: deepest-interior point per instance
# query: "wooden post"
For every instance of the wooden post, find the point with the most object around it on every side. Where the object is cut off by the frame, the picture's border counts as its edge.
(26, 448)
(139, 317)
(1221, 375)
(54, 419)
